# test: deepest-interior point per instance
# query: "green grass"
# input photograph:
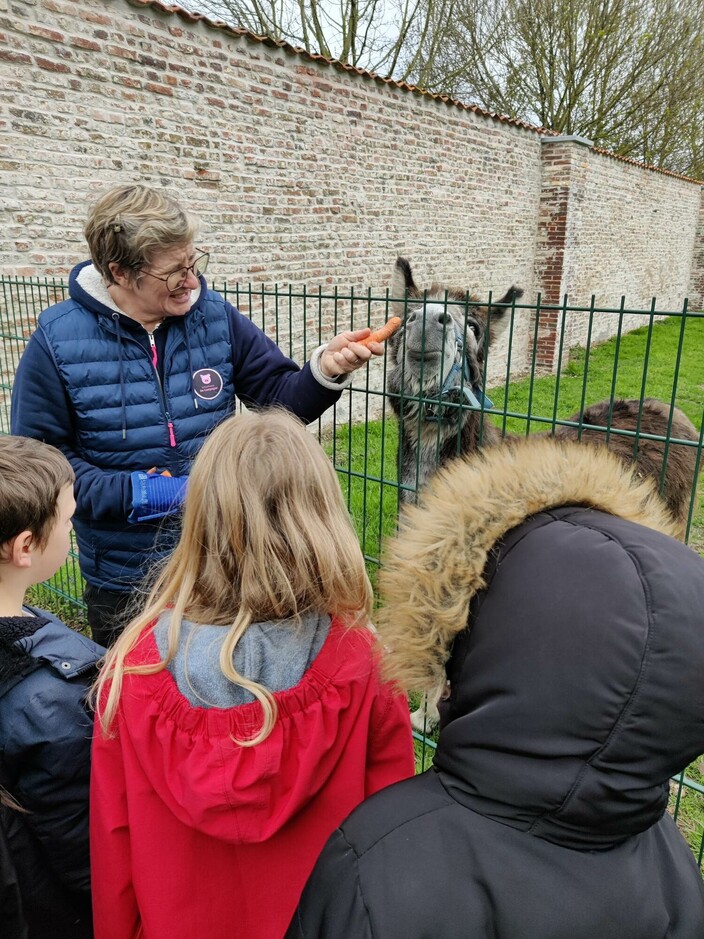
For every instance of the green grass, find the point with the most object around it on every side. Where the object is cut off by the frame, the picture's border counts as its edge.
(630, 367)
(687, 807)
(365, 457)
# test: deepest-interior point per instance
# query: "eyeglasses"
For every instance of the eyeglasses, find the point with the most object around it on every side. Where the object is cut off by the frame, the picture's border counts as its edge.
(175, 279)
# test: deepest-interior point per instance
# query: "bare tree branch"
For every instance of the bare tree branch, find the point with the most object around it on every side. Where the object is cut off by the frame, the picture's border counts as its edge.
(623, 73)
(372, 34)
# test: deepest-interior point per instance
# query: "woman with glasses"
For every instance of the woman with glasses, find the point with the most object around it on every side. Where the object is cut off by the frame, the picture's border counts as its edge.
(129, 375)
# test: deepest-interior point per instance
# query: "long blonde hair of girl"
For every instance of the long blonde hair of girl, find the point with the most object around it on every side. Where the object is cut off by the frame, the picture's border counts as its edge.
(266, 536)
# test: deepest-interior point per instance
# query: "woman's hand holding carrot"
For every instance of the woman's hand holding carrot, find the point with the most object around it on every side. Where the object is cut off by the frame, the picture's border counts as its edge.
(352, 349)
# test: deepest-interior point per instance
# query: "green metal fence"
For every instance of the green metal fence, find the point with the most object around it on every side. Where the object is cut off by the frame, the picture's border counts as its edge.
(650, 353)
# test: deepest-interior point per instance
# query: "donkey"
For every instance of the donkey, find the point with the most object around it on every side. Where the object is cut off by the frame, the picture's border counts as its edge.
(436, 364)
(435, 385)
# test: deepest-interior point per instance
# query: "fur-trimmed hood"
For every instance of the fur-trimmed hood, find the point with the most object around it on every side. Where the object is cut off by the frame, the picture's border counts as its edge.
(435, 565)
(543, 578)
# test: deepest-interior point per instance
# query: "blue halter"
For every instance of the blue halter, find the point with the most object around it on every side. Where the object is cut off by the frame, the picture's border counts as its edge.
(459, 379)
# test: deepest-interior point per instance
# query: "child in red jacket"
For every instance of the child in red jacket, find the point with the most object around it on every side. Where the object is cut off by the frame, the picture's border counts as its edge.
(241, 715)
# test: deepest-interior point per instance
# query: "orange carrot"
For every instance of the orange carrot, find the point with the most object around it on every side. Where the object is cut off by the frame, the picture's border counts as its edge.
(384, 333)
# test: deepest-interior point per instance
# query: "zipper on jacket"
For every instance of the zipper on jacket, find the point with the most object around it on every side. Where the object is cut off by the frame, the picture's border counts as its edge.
(155, 363)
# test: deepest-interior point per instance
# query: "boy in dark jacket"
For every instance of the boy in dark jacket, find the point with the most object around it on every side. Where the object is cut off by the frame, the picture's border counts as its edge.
(542, 580)
(46, 670)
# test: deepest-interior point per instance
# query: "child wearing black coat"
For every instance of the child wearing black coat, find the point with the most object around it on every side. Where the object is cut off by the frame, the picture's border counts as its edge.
(45, 726)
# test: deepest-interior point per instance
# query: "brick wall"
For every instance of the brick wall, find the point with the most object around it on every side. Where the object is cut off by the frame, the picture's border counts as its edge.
(696, 289)
(305, 173)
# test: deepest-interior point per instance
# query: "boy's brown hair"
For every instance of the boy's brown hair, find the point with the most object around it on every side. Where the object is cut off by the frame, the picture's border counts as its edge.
(32, 475)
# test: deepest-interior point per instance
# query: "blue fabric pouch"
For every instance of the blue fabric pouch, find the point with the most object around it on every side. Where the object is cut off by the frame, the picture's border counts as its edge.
(154, 496)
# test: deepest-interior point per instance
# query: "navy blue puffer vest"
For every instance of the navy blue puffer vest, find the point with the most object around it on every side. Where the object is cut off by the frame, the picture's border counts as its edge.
(127, 419)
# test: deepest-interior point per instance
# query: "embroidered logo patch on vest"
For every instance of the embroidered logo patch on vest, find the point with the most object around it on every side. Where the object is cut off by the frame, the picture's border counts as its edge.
(207, 383)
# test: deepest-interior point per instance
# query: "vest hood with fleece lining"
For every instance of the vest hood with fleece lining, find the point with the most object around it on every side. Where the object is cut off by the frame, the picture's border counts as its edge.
(120, 410)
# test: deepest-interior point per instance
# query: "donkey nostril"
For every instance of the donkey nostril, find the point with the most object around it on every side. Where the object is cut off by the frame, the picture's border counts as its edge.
(444, 318)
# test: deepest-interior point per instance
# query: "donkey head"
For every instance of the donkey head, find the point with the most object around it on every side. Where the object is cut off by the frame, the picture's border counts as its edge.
(441, 346)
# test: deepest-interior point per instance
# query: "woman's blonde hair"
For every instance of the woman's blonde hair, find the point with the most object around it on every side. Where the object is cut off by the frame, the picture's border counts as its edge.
(266, 536)
(129, 224)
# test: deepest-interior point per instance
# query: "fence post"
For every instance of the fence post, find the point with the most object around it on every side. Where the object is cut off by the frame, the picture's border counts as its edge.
(562, 173)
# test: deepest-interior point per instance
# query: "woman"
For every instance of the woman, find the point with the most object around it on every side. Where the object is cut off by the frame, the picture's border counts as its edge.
(130, 374)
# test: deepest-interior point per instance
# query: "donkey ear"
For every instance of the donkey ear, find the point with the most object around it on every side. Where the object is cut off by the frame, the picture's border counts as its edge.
(402, 285)
(499, 309)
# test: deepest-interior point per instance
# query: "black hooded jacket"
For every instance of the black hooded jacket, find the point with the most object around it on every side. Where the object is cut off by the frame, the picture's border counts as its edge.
(46, 670)
(577, 691)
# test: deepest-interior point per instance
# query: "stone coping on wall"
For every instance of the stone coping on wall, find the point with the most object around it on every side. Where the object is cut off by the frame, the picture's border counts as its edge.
(569, 138)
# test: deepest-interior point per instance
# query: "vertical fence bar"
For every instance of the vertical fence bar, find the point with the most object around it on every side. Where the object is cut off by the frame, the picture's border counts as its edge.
(534, 356)
(673, 397)
(614, 373)
(697, 468)
(556, 394)
(383, 488)
(509, 353)
(421, 404)
(482, 409)
(585, 379)
(646, 362)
